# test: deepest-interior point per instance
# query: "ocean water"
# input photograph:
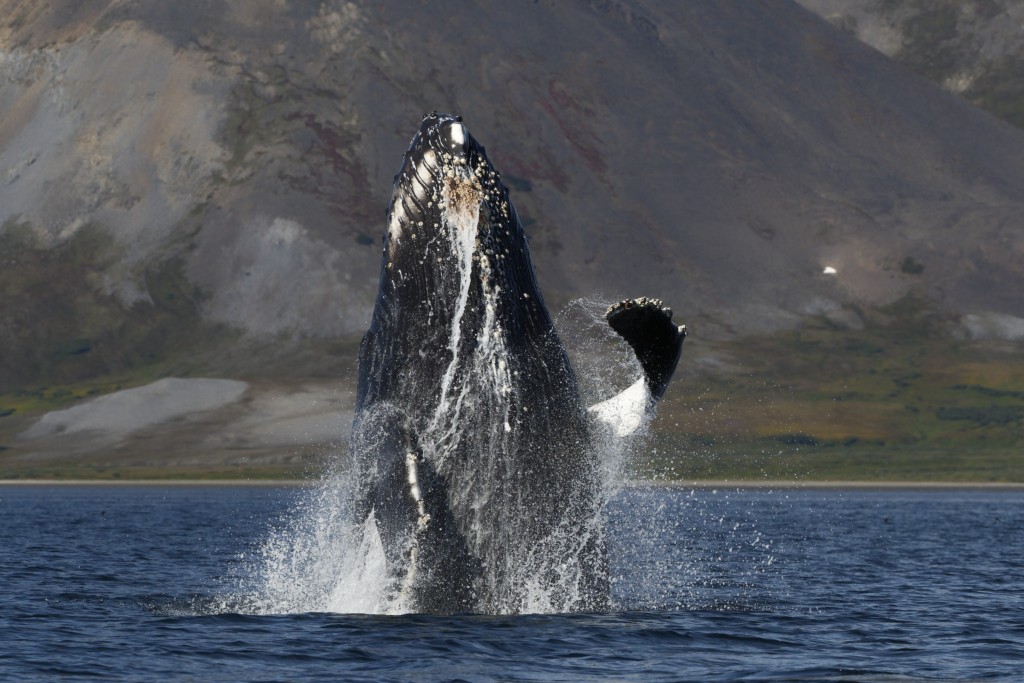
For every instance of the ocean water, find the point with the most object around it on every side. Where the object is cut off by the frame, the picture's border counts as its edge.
(150, 583)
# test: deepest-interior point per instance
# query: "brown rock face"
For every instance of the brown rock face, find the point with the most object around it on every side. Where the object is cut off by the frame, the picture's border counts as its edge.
(219, 170)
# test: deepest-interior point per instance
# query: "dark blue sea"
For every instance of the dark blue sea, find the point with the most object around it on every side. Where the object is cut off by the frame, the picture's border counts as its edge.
(147, 583)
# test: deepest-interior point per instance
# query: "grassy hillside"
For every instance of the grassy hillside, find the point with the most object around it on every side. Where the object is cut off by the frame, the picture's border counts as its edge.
(61, 327)
(897, 400)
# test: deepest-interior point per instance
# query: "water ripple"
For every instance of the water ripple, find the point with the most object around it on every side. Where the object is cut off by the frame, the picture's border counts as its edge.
(932, 595)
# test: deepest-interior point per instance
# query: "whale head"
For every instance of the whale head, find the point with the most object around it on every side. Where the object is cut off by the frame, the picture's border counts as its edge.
(452, 230)
(444, 172)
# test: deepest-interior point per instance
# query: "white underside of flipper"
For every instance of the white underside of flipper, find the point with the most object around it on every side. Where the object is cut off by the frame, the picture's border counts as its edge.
(625, 412)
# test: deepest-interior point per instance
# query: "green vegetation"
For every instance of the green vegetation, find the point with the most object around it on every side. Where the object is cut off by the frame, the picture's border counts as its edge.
(942, 40)
(61, 324)
(1000, 89)
(109, 472)
(899, 400)
(932, 45)
(909, 266)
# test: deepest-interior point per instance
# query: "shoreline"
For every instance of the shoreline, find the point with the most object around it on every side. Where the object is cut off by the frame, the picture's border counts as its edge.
(681, 484)
(854, 484)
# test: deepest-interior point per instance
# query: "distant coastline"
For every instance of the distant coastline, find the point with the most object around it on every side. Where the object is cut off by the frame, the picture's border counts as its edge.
(696, 484)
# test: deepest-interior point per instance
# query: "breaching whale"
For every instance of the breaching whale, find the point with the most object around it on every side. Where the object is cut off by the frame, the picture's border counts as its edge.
(473, 452)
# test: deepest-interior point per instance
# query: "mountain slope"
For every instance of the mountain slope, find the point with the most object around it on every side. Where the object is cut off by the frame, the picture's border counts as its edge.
(974, 48)
(199, 187)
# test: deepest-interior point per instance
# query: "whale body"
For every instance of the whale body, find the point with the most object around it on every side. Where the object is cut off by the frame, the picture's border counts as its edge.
(473, 451)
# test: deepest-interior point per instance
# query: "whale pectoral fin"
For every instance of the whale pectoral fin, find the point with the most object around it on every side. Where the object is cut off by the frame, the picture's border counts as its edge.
(426, 555)
(445, 571)
(381, 446)
(647, 326)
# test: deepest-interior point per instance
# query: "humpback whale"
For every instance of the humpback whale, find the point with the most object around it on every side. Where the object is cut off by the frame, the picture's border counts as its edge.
(473, 452)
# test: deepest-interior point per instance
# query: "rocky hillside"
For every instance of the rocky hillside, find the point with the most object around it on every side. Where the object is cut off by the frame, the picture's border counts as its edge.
(198, 187)
(177, 176)
(974, 48)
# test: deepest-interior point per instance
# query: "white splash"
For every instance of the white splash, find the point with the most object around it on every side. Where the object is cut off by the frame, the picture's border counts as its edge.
(461, 219)
(318, 561)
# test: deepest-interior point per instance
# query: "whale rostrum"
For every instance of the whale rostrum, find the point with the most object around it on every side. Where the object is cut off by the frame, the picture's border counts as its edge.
(473, 451)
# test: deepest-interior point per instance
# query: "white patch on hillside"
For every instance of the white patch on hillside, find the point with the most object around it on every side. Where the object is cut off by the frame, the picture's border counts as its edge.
(273, 277)
(130, 410)
(990, 325)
